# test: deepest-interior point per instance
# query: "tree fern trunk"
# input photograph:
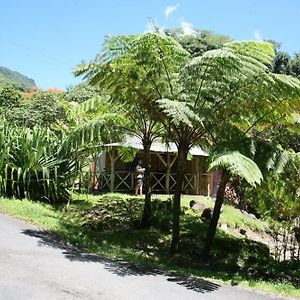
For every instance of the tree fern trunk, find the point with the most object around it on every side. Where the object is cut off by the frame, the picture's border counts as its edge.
(216, 214)
(181, 163)
(147, 214)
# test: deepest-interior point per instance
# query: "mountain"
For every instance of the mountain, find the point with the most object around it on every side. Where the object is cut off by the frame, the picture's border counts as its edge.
(16, 78)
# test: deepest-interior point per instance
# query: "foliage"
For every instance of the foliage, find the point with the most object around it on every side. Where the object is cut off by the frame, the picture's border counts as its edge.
(295, 65)
(81, 93)
(95, 122)
(282, 63)
(199, 43)
(41, 108)
(194, 98)
(10, 97)
(238, 165)
(35, 164)
(127, 154)
(278, 197)
(44, 109)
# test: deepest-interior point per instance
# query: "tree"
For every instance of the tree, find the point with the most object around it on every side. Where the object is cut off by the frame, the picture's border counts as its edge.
(231, 85)
(81, 93)
(246, 158)
(132, 71)
(230, 164)
(200, 42)
(10, 97)
(282, 63)
(295, 65)
(42, 108)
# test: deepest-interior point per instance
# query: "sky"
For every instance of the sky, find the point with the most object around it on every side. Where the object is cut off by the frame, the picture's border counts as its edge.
(46, 39)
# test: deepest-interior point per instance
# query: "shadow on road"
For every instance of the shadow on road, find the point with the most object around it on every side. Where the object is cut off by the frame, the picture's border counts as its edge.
(120, 267)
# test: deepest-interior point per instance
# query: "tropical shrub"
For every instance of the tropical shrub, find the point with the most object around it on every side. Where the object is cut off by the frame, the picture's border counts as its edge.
(41, 108)
(35, 163)
(9, 97)
(278, 197)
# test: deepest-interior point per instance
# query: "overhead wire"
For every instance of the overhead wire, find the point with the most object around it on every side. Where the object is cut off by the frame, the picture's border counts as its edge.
(40, 53)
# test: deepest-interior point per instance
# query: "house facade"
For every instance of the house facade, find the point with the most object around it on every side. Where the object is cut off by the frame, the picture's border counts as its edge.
(110, 173)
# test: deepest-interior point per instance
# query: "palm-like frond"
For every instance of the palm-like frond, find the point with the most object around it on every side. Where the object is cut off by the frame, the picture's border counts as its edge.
(99, 130)
(179, 112)
(253, 53)
(269, 156)
(131, 67)
(238, 165)
(94, 104)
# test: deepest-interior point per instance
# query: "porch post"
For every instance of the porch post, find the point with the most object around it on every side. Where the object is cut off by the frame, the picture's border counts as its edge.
(112, 155)
(209, 184)
(197, 175)
(168, 174)
(94, 177)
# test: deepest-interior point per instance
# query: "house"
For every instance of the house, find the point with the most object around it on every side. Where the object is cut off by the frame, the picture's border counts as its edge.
(110, 173)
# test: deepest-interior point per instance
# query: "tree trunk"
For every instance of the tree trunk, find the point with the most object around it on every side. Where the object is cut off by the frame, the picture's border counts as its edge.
(216, 214)
(181, 163)
(147, 214)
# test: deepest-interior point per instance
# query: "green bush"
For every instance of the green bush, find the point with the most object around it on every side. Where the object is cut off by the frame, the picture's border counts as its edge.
(35, 163)
(278, 196)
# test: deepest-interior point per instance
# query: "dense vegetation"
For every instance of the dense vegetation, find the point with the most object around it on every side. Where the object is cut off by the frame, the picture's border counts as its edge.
(223, 100)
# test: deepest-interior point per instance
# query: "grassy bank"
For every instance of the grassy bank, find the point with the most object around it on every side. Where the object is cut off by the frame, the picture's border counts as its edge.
(108, 225)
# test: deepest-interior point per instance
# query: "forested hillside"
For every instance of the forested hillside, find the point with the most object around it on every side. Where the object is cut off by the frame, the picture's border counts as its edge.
(20, 80)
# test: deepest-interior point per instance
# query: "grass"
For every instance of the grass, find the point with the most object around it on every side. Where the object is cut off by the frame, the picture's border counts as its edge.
(107, 225)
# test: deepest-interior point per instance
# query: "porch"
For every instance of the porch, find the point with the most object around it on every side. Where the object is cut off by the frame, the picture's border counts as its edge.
(162, 183)
(110, 173)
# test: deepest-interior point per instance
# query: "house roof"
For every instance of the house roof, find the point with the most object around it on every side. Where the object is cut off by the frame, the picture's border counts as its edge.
(157, 146)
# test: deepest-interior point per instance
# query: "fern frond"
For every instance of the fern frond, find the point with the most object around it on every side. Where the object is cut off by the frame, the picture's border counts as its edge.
(238, 165)
(179, 112)
(90, 105)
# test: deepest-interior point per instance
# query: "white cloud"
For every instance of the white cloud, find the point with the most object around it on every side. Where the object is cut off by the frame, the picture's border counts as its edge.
(257, 35)
(187, 28)
(170, 9)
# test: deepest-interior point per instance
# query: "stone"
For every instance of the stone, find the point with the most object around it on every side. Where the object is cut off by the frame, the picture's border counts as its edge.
(242, 231)
(224, 227)
(197, 206)
(207, 214)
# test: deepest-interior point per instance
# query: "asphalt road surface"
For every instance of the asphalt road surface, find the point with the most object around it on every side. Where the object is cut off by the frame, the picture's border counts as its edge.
(35, 266)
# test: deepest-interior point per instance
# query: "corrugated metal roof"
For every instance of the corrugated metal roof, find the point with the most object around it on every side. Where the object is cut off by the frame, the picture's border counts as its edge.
(156, 146)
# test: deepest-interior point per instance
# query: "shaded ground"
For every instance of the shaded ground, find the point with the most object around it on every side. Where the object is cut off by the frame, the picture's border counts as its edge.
(35, 265)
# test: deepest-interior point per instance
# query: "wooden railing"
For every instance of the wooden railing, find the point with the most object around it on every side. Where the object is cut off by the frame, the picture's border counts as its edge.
(124, 181)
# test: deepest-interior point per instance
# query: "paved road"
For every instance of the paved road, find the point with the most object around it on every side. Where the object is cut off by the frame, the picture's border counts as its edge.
(34, 266)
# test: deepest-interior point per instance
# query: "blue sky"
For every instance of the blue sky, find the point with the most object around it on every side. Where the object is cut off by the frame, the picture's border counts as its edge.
(46, 39)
